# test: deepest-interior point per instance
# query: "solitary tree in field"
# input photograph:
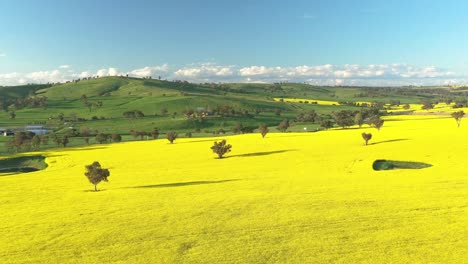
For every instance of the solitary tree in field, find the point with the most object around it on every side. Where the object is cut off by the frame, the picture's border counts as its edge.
(221, 148)
(458, 117)
(366, 137)
(376, 122)
(263, 129)
(171, 136)
(96, 174)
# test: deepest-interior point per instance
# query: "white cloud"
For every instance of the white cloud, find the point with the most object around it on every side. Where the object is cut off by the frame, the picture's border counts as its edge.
(149, 71)
(205, 72)
(327, 74)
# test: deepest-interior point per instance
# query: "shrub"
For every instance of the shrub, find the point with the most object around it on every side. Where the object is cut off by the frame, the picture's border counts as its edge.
(116, 138)
(376, 122)
(284, 125)
(263, 129)
(171, 136)
(238, 128)
(221, 148)
(96, 174)
(102, 138)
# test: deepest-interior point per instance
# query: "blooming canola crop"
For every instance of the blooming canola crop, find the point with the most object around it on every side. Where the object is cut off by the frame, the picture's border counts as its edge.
(285, 198)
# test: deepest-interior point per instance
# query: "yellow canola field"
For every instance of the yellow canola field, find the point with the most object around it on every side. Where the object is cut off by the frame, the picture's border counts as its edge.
(287, 198)
(311, 101)
(440, 108)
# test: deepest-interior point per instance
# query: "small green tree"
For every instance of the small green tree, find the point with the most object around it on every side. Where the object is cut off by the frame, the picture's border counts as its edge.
(263, 129)
(458, 117)
(376, 122)
(101, 138)
(171, 136)
(358, 120)
(65, 141)
(96, 174)
(221, 148)
(366, 137)
(155, 133)
(44, 139)
(116, 138)
(237, 129)
(35, 142)
(284, 125)
(326, 123)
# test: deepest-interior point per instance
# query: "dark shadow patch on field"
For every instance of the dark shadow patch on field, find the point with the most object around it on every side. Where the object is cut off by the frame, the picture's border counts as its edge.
(181, 184)
(93, 191)
(48, 155)
(379, 165)
(258, 154)
(22, 164)
(85, 148)
(195, 141)
(18, 170)
(418, 119)
(389, 141)
(293, 134)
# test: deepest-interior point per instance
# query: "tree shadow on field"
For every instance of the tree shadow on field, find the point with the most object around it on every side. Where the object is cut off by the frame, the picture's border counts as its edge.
(181, 184)
(195, 141)
(388, 141)
(257, 154)
(82, 148)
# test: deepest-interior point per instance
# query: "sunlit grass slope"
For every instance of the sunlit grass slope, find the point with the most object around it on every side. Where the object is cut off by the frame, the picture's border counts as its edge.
(288, 198)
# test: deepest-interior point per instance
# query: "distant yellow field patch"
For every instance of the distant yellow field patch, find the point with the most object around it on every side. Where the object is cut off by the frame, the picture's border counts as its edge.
(440, 108)
(303, 100)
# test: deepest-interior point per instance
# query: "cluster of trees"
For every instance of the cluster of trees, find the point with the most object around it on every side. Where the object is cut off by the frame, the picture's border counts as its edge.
(133, 114)
(23, 141)
(102, 138)
(89, 104)
(347, 118)
(239, 128)
(11, 104)
(141, 134)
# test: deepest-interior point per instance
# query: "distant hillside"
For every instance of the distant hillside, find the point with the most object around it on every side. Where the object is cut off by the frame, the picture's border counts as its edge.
(99, 105)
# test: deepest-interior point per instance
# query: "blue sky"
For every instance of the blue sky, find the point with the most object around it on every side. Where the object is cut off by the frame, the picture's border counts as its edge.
(320, 42)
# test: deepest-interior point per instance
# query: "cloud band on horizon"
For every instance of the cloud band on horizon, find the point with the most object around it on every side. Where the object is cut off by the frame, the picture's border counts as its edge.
(327, 74)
